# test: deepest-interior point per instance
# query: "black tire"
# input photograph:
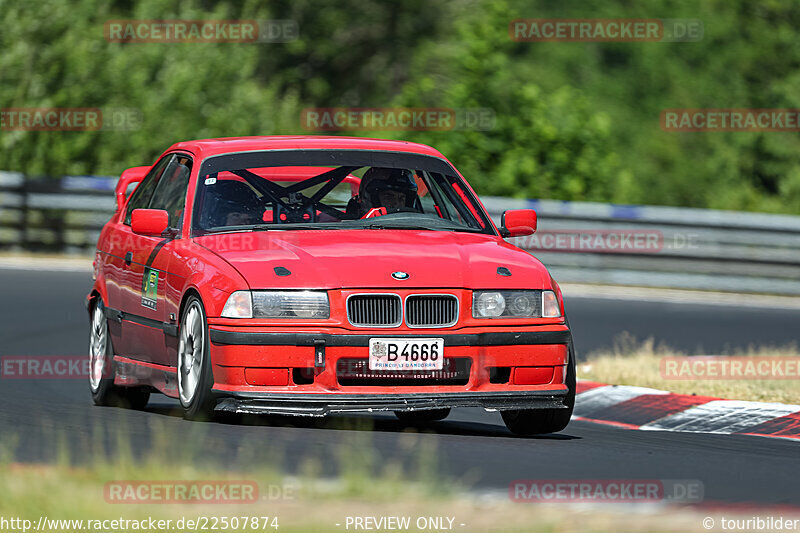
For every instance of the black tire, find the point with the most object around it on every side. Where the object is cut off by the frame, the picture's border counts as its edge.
(101, 357)
(542, 421)
(429, 415)
(135, 397)
(102, 373)
(199, 403)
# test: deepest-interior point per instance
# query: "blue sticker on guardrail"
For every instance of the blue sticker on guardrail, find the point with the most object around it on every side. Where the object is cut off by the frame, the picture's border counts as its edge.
(88, 183)
(625, 211)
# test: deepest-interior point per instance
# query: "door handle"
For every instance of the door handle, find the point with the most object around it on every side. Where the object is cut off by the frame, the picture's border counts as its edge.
(128, 258)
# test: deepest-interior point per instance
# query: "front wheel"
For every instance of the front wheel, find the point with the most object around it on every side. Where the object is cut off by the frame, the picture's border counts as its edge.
(195, 377)
(541, 421)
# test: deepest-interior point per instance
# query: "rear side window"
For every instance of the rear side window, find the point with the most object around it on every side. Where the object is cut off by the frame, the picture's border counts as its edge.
(140, 199)
(170, 192)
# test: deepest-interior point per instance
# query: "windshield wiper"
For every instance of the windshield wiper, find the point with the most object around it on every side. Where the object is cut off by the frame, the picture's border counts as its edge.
(297, 225)
(232, 229)
(432, 227)
(396, 226)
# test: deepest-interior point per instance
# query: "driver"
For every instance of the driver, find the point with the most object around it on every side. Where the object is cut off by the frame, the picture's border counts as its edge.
(392, 188)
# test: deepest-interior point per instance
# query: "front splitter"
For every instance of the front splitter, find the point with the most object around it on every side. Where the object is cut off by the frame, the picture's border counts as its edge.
(319, 405)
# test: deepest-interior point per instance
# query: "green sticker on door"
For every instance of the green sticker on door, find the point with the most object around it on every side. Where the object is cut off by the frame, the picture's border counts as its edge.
(150, 288)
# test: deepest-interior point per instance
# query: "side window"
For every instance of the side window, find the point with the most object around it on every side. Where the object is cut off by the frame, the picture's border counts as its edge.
(452, 200)
(445, 207)
(140, 198)
(170, 192)
(463, 195)
(425, 197)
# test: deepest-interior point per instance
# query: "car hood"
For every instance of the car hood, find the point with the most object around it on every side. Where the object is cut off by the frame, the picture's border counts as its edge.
(333, 259)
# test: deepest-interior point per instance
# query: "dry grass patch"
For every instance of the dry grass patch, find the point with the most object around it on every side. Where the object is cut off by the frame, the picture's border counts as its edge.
(640, 364)
(63, 493)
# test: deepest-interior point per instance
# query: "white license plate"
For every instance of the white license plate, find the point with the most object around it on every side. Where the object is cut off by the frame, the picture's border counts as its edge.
(406, 354)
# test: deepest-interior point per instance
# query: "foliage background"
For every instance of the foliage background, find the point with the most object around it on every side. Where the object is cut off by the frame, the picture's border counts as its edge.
(575, 121)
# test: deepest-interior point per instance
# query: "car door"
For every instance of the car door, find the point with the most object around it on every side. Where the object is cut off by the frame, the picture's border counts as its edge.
(118, 254)
(170, 195)
(145, 321)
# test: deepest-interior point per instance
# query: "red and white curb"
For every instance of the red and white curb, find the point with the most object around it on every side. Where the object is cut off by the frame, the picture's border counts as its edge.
(650, 409)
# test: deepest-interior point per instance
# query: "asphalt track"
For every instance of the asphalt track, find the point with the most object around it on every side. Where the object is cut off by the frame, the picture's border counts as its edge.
(42, 314)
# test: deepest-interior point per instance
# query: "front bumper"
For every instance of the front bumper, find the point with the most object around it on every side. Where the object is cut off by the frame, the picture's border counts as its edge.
(486, 338)
(302, 372)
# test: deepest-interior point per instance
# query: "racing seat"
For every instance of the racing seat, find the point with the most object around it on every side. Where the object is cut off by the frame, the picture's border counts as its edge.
(353, 210)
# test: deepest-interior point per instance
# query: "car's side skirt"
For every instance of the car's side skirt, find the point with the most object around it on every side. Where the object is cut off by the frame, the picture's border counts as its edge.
(133, 373)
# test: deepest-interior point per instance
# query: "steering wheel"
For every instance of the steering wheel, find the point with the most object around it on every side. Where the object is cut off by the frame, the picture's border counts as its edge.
(380, 211)
(374, 212)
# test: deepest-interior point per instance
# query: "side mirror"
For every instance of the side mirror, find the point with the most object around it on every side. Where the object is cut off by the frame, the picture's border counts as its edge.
(131, 175)
(149, 221)
(518, 223)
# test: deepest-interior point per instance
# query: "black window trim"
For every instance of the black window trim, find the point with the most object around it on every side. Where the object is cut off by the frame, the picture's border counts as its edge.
(175, 154)
(125, 220)
(128, 211)
(210, 166)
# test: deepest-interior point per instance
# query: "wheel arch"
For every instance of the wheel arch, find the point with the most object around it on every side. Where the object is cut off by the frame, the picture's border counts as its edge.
(91, 300)
(188, 293)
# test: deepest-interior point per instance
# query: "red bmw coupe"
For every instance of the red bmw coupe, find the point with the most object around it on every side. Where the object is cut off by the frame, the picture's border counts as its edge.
(316, 275)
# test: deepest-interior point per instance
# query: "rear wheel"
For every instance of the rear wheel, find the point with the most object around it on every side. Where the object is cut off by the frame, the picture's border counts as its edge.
(195, 377)
(430, 415)
(541, 421)
(101, 367)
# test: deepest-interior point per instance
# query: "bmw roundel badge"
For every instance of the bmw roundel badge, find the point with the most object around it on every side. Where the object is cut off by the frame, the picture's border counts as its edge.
(400, 275)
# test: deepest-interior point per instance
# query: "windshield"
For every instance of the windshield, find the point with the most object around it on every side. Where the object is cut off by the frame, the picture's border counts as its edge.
(355, 190)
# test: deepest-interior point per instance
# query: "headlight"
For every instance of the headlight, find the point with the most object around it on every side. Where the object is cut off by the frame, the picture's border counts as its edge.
(291, 304)
(515, 304)
(239, 305)
(488, 304)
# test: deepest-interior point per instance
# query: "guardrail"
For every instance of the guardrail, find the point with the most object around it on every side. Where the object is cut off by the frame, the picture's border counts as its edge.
(693, 248)
(54, 215)
(578, 241)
